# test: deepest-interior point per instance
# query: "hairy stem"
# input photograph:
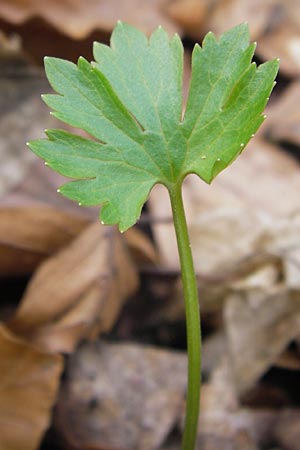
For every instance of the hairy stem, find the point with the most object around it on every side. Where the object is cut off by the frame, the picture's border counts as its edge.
(192, 319)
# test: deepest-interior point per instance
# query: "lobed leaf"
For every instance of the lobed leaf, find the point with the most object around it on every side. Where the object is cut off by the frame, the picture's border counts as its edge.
(129, 100)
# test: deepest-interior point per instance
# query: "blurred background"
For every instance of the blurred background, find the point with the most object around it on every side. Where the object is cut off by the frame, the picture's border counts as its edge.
(92, 333)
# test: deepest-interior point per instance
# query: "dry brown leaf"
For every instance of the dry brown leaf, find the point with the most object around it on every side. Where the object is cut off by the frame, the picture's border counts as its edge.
(288, 360)
(10, 46)
(223, 425)
(190, 15)
(78, 292)
(260, 326)
(121, 396)
(22, 116)
(30, 234)
(283, 122)
(141, 247)
(39, 188)
(226, 425)
(273, 23)
(283, 41)
(78, 19)
(29, 381)
(286, 430)
(282, 239)
(262, 186)
(228, 13)
(51, 41)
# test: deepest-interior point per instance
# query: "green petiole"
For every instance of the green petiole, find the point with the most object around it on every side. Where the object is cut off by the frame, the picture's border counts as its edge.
(192, 318)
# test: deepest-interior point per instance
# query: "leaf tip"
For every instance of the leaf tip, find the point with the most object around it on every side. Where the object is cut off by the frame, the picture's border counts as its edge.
(119, 23)
(96, 45)
(58, 191)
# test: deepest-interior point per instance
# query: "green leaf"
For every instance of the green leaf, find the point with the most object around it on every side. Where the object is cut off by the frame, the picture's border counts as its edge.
(130, 103)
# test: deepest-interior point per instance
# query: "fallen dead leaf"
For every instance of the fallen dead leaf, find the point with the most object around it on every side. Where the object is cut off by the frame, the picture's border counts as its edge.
(190, 15)
(260, 326)
(283, 122)
(282, 239)
(21, 115)
(10, 46)
(121, 396)
(77, 292)
(228, 13)
(273, 23)
(223, 425)
(30, 234)
(39, 188)
(29, 380)
(51, 41)
(286, 429)
(283, 41)
(288, 360)
(141, 248)
(234, 209)
(78, 20)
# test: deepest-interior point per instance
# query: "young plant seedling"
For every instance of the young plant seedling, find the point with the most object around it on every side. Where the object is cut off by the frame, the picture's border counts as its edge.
(130, 102)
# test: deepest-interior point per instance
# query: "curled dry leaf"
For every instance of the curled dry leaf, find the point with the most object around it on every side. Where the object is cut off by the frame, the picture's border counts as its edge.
(259, 327)
(141, 247)
(29, 381)
(121, 396)
(229, 209)
(78, 19)
(282, 239)
(77, 292)
(30, 234)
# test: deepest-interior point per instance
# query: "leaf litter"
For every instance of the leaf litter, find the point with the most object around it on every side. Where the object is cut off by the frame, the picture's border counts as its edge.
(278, 263)
(29, 381)
(124, 388)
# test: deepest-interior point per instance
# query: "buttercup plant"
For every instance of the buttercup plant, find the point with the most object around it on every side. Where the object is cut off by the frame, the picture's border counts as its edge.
(129, 100)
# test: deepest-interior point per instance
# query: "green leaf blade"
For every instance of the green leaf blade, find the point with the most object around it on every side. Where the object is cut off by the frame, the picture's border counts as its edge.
(130, 102)
(122, 198)
(224, 108)
(87, 101)
(155, 70)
